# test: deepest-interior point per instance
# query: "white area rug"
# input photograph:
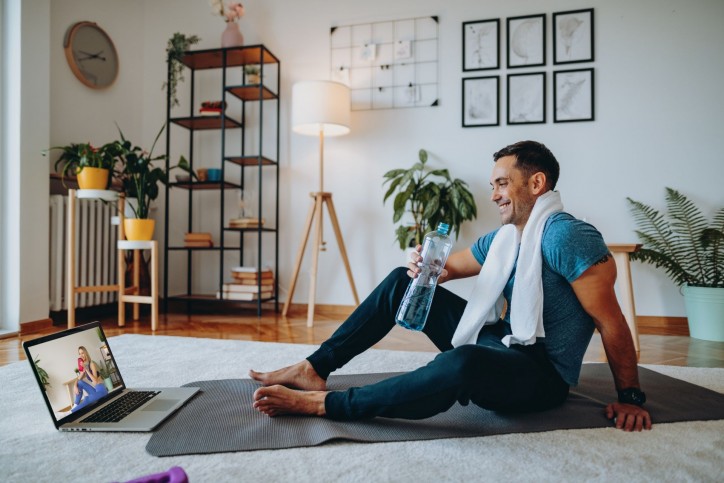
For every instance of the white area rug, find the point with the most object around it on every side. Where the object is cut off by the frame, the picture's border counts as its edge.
(32, 450)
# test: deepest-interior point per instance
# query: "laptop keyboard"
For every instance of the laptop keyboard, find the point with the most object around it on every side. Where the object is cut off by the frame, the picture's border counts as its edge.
(121, 407)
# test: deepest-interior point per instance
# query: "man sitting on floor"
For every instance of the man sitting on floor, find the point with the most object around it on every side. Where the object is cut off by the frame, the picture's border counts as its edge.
(558, 287)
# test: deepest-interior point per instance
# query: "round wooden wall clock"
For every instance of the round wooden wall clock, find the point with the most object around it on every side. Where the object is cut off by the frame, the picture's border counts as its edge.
(91, 55)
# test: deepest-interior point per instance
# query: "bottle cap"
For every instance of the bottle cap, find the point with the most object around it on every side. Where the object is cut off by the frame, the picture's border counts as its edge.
(443, 228)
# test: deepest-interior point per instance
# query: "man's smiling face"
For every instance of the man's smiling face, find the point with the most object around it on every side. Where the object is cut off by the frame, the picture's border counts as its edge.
(511, 192)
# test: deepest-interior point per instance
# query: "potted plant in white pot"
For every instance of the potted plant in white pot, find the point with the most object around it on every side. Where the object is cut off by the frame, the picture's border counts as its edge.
(431, 197)
(140, 180)
(691, 251)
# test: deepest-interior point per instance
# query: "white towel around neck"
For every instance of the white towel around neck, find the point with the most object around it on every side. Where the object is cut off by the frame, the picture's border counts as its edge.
(486, 300)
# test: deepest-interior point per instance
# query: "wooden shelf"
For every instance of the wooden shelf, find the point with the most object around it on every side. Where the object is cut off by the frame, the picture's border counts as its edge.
(205, 122)
(213, 298)
(203, 185)
(250, 160)
(254, 92)
(264, 229)
(235, 56)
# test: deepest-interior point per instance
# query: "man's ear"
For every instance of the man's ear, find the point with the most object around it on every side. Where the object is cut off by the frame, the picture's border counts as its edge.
(537, 183)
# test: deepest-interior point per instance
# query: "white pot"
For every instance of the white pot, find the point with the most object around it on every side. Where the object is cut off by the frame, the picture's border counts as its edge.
(705, 312)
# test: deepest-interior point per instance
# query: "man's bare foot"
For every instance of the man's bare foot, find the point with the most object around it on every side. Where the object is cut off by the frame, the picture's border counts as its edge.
(299, 376)
(277, 400)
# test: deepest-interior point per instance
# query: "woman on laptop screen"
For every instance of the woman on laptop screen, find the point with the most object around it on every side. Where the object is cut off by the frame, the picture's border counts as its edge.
(89, 381)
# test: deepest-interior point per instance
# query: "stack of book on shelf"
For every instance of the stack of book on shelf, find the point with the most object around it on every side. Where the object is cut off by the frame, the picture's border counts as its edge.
(246, 222)
(198, 240)
(245, 285)
(211, 108)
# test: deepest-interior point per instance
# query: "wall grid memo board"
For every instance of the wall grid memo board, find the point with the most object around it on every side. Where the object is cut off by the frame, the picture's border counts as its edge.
(389, 64)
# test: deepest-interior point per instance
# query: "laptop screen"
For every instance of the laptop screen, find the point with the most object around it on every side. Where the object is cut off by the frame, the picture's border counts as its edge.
(75, 370)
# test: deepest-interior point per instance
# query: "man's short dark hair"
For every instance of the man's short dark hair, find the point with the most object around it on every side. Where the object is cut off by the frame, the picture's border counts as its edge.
(532, 157)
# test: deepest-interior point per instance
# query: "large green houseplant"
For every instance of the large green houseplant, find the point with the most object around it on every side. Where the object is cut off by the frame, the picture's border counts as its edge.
(691, 251)
(431, 197)
(139, 177)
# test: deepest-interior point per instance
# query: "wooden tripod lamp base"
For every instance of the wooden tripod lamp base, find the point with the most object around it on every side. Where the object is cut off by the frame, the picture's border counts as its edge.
(315, 216)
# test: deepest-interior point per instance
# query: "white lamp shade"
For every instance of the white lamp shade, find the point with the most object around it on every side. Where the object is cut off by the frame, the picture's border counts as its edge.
(320, 106)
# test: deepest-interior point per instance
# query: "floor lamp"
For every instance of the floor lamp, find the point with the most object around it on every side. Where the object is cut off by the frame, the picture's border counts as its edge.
(319, 108)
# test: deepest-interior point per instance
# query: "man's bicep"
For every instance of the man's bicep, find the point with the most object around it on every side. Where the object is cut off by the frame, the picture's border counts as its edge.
(462, 264)
(595, 289)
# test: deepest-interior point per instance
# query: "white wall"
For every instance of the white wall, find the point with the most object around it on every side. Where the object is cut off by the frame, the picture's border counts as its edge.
(658, 114)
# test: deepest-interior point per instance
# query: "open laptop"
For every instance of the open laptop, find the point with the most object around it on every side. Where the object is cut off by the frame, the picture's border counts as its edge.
(100, 401)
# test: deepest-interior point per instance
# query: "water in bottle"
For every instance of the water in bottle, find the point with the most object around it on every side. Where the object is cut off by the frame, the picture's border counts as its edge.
(415, 305)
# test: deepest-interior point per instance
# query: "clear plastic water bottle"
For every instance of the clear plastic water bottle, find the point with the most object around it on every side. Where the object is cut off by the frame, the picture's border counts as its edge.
(415, 305)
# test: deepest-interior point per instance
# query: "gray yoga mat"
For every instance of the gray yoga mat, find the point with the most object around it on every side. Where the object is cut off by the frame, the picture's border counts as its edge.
(221, 418)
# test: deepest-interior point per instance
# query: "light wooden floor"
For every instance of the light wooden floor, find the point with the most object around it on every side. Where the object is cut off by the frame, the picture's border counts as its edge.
(272, 327)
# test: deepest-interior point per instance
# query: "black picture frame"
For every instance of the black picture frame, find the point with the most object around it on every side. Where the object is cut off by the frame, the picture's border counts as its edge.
(526, 41)
(573, 95)
(573, 39)
(526, 98)
(481, 101)
(481, 45)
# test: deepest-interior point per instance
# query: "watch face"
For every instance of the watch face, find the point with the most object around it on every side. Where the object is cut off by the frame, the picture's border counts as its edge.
(91, 55)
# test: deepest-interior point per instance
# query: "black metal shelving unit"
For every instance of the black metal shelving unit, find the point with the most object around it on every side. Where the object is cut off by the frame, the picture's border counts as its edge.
(226, 59)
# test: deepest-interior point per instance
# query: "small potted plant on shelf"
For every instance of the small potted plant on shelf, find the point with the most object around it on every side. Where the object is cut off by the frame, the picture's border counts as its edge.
(253, 74)
(177, 45)
(140, 179)
(89, 164)
(429, 201)
(691, 251)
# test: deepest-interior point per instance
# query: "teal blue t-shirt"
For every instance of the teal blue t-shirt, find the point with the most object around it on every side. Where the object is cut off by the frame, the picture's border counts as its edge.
(570, 247)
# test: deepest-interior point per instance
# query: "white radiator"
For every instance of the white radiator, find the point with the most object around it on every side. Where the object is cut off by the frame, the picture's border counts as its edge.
(95, 251)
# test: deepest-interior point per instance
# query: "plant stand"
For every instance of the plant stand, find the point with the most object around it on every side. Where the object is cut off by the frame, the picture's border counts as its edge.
(71, 288)
(131, 294)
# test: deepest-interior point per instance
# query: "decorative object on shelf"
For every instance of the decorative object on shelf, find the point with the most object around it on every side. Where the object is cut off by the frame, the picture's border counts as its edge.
(232, 36)
(320, 108)
(89, 164)
(253, 74)
(526, 41)
(212, 108)
(140, 178)
(691, 251)
(198, 240)
(177, 45)
(481, 45)
(573, 95)
(246, 222)
(573, 36)
(202, 174)
(481, 101)
(214, 174)
(429, 201)
(91, 55)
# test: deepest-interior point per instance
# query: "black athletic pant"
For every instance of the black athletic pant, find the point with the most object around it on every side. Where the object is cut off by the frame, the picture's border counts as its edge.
(491, 375)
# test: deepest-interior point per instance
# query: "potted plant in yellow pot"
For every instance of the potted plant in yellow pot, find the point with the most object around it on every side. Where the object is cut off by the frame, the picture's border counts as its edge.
(89, 164)
(691, 251)
(140, 180)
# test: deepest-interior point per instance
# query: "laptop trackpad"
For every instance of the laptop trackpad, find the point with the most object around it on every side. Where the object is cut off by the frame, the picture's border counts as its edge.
(161, 405)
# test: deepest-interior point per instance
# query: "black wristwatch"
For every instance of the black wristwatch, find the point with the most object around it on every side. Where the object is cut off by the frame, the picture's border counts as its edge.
(632, 395)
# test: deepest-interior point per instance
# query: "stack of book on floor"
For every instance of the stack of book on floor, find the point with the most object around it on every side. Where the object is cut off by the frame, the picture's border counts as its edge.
(246, 282)
(198, 240)
(211, 108)
(246, 222)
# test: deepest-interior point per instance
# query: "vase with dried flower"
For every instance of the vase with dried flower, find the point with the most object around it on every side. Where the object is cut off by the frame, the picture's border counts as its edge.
(232, 36)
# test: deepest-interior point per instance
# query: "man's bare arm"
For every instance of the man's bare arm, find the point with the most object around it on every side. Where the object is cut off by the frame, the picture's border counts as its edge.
(460, 264)
(595, 290)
